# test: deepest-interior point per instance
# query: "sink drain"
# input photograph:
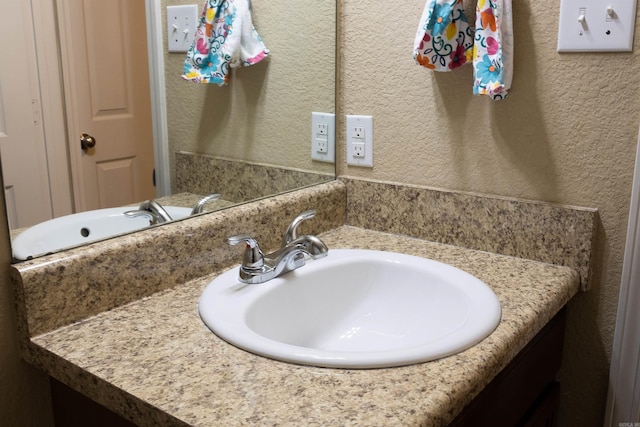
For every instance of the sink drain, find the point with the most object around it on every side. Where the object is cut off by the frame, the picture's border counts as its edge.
(84, 231)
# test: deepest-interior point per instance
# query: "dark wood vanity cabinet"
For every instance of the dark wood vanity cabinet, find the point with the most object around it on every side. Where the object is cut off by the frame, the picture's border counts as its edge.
(526, 392)
(73, 409)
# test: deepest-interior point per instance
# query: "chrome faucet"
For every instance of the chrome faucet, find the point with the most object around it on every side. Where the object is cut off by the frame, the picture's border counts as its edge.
(199, 207)
(259, 268)
(151, 209)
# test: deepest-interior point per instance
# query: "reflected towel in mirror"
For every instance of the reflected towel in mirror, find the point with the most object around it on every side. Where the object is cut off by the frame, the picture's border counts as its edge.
(225, 38)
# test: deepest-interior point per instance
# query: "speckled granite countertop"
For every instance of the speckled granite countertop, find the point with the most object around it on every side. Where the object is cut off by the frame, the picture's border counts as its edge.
(156, 363)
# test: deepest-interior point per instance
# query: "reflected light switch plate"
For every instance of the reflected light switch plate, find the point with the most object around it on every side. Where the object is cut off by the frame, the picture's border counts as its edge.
(596, 25)
(182, 22)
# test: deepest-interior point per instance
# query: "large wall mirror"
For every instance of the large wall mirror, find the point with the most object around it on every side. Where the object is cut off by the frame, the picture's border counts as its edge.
(246, 140)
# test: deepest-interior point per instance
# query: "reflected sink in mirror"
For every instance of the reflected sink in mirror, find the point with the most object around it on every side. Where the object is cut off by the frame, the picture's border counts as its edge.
(81, 228)
(354, 309)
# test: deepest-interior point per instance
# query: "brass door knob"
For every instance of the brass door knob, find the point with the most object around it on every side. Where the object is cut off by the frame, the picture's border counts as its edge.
(87, 141)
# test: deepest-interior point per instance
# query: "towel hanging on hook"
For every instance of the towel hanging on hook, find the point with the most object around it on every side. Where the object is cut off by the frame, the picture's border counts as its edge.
(493, 49)
(444, 40)
(225, 38)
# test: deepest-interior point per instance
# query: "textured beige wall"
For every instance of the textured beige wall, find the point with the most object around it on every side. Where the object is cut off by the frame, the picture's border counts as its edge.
(264, 114)
(567, 134)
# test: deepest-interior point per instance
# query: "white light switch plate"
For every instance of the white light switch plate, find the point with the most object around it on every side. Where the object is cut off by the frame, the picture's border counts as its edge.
(182, 22)
(596, 25)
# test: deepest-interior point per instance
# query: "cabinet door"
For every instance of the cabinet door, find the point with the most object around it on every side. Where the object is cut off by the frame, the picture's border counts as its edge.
(525, 393)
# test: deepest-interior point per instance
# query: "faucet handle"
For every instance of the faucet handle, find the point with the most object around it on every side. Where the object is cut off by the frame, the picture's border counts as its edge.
(253, 258)
(136, 213)
(236, 240)
(199, 207)
(292, 231)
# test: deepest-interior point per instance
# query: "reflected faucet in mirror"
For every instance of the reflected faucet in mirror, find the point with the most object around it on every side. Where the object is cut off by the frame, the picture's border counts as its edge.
(158, 215)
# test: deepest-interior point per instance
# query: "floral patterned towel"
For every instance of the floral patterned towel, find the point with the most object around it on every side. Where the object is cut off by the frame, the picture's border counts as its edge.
(443, 40)
(225, 38)
(493, 49)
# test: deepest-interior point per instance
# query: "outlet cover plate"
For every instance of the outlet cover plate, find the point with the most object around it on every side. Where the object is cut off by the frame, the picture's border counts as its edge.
(360, 140)
(323, 137)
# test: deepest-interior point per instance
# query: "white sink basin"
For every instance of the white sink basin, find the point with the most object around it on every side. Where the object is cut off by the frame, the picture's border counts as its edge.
(84, 227)
(354, 309)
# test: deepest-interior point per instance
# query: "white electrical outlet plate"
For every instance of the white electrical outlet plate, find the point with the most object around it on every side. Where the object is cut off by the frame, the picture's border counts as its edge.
(360, 140)
(596, 25)
(323, 137)
(182, 22)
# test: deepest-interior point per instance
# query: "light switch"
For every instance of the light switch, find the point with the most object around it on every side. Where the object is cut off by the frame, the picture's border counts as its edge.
(182, 22)
(596, 25)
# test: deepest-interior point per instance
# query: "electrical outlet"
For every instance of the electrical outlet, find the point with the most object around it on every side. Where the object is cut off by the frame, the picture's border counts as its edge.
(323, 137)
(358, 132)
(323, 147)
(358, 150)
(360, 140)
(182, 22)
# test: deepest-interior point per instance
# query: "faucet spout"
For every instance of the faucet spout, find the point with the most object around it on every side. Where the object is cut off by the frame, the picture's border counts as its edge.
(291, 233)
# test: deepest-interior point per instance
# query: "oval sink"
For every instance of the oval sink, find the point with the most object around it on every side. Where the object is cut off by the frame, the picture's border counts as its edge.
(354, 309)
(80, 228)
